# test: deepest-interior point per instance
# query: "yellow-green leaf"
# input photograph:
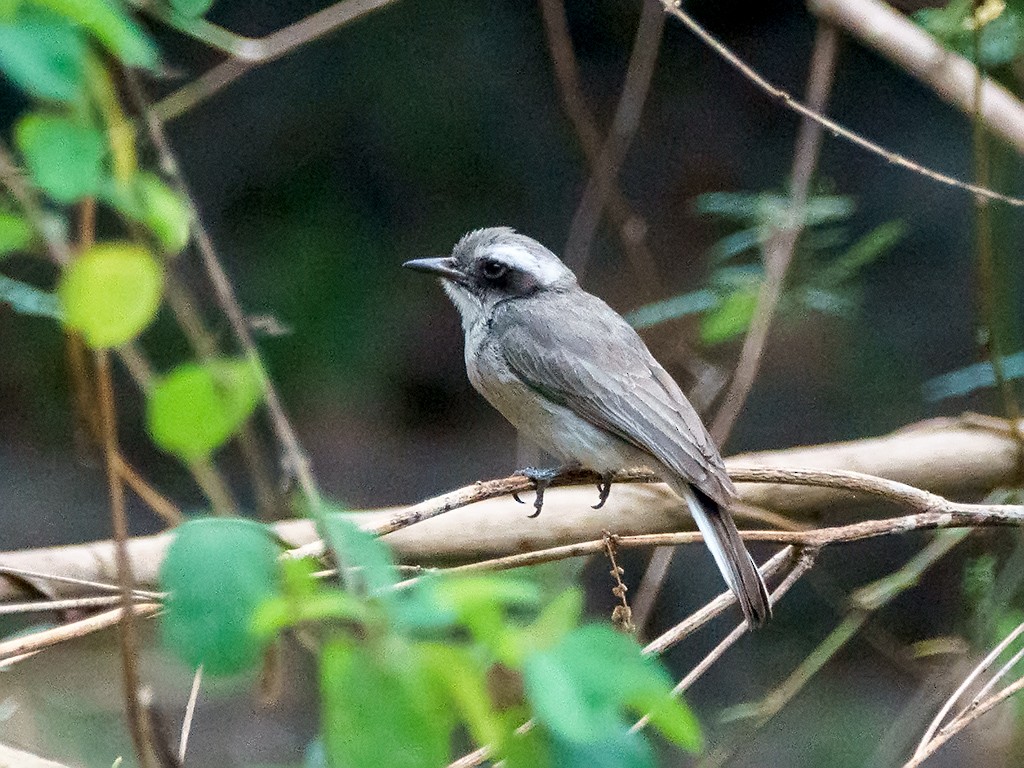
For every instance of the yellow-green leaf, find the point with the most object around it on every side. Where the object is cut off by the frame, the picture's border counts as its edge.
(193, 410)
(110, 293)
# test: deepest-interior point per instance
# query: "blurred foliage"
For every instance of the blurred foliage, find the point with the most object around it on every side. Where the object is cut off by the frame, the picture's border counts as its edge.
(823, 269)
(964, 381)
(403, 665)
(955, 24)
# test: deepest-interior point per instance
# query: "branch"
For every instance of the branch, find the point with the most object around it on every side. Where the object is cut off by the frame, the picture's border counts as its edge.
(951, 76)
(624, 127)
(833, 127)
(247, 53)
(965, 458)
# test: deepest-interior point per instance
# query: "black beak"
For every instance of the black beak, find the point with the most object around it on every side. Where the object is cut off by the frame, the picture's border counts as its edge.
(442, 266)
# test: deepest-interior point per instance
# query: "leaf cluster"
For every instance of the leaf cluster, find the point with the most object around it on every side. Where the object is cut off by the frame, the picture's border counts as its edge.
(824, 268)
(407, 666)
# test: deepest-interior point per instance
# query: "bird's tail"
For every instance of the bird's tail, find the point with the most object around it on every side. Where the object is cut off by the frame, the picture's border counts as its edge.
(731, 556)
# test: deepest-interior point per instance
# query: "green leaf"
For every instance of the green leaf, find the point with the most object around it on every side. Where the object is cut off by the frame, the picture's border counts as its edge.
(466, 685)
(672, 309)
(731, 317)
(15, 233)
(149, 201)
(110, 293)
(866, 250)
(64, 157)
(556, 620)
(381, 703)
(43, 54)
(963, 381)
(376, 572)
(191, 8)
(218, 571)
(195, 409)
(27, 299)
(480, 602)
(616, 748)
(596, 672)
(561, 702)
(109, 24)
(304, 598)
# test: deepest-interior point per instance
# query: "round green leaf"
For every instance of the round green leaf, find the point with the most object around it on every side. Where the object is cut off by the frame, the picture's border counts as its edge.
(111, 293)
(193, 410)
(43, 54)
(217, 572)
(65, 157)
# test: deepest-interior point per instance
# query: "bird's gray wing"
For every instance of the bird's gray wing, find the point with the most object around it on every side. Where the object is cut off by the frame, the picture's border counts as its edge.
(588, 359)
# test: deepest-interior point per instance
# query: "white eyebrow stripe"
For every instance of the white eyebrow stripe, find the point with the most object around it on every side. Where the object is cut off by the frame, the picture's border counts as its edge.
(521, 258)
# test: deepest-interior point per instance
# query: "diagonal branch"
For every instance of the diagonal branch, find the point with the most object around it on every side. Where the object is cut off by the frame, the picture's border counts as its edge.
(832, 126)
(247, 53)
(624, 127)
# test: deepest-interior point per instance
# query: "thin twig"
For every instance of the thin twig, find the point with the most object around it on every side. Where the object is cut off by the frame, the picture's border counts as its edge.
(833, 127)
(990, 330)
(624, 127)
(190, 710)
(945, 734)
(40, 606)
(46, 638)
(248, 53)
(695, 621)
(967, 682)
(138, 723)
(805, 561)
(24, 573)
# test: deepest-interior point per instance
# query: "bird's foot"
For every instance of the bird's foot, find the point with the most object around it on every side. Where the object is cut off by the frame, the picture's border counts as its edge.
(541, 478)
(604, 487)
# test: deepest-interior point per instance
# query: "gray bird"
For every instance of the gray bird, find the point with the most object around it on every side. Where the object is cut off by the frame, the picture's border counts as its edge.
(575, 378)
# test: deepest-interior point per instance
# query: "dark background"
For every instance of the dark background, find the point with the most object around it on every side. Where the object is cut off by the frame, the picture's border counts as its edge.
(319, 174)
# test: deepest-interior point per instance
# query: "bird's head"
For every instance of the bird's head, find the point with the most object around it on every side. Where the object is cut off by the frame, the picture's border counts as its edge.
(496, 264)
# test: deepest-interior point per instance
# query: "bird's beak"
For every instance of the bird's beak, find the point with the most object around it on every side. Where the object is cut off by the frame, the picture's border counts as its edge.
(442, 266)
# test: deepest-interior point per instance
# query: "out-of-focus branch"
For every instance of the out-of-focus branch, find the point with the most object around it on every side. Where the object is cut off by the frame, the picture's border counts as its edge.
(629, 225)
(781, 245)
(623, 129)
(952, 77)
(16, 758)
(247, 53)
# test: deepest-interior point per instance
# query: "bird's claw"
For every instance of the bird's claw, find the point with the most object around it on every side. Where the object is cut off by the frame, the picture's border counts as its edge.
(541, 478)
(604, 487)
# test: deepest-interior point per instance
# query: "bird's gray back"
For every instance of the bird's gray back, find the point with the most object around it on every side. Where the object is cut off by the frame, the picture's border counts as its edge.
(574, 350)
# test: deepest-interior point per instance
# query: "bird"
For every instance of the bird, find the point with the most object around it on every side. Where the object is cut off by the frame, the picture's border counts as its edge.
(575, 378)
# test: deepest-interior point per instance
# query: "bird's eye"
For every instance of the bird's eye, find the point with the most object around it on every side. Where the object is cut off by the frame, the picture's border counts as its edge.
(493, 270)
